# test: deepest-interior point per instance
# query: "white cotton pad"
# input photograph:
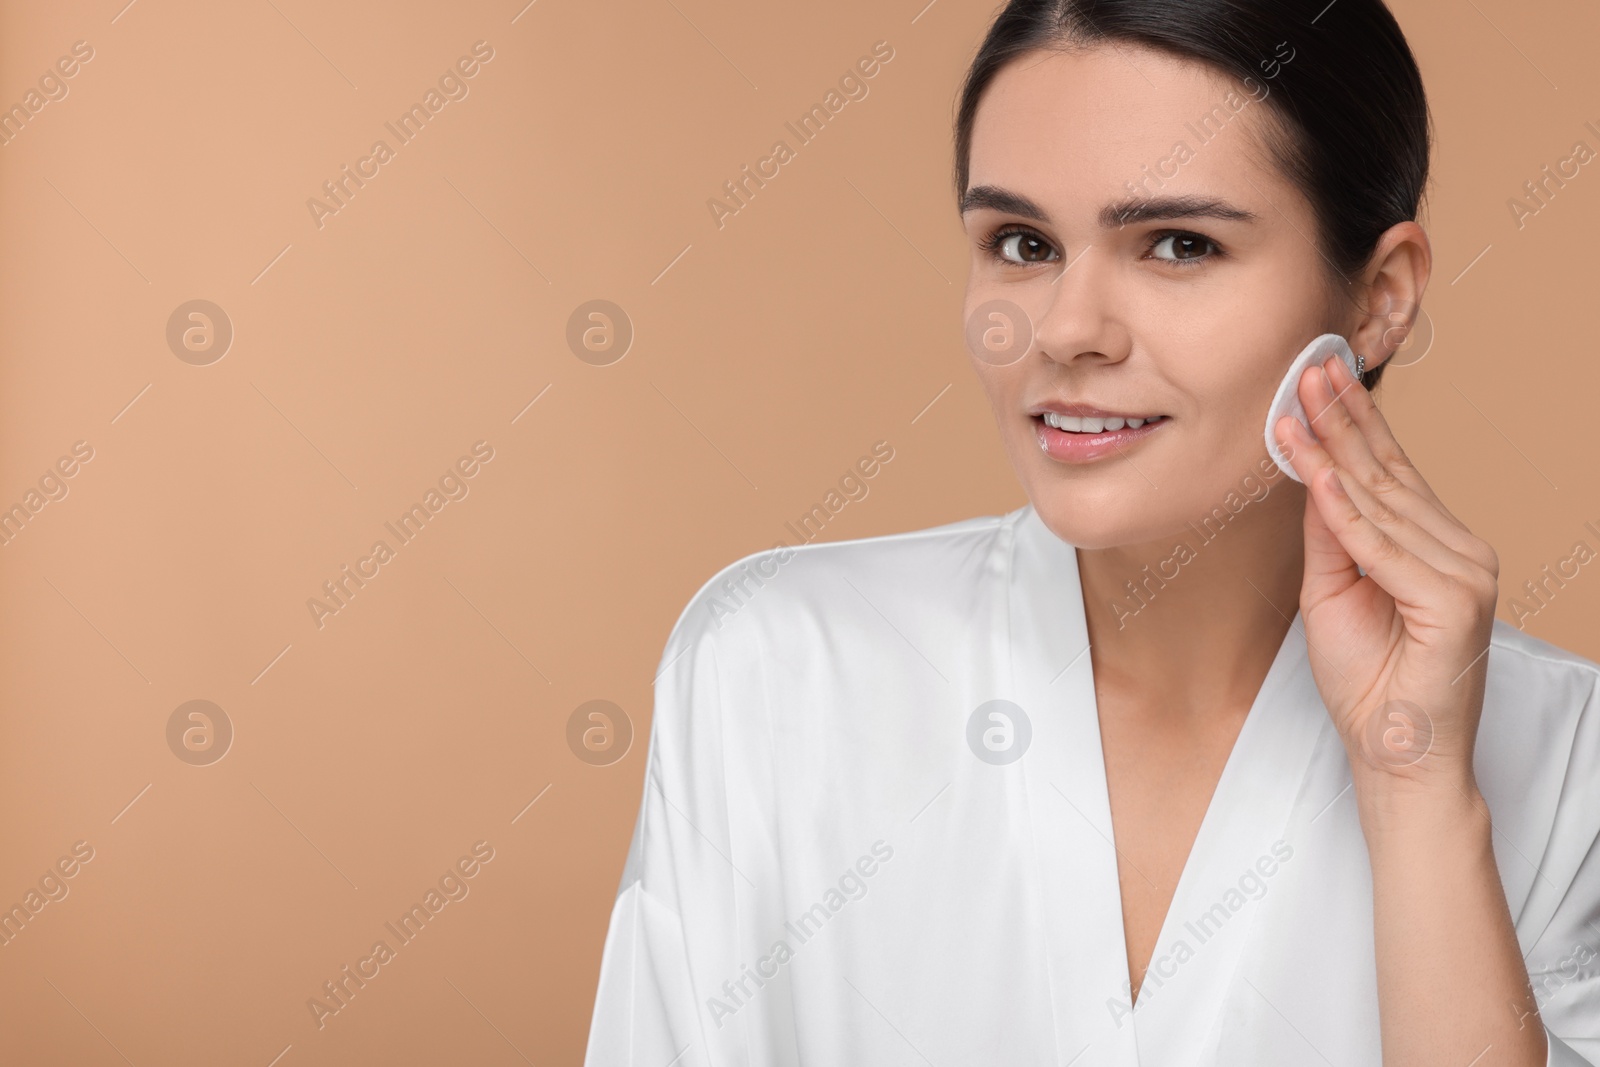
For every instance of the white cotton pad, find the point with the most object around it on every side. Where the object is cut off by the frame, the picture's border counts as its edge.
(1287, 400)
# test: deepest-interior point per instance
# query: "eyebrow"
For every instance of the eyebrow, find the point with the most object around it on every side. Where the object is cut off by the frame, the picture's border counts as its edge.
(1113, 216)
(1136, 210)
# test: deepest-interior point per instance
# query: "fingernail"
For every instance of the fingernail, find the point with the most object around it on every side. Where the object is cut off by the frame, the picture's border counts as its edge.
(1334, 483)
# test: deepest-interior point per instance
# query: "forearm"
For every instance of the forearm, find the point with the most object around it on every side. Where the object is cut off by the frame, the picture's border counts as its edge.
(1452, 986)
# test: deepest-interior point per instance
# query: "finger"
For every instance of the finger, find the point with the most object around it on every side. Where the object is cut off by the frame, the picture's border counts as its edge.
(1335, 427)
(1353, 445)
(1364, 412)
(1410, 535)
(1402, 573)
(1329, 569)
(1408, 562)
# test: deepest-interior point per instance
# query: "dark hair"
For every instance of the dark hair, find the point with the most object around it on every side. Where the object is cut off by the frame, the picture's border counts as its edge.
(1353, 130)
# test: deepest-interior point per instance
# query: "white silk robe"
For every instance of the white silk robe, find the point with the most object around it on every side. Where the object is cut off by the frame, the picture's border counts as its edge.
(824, 870)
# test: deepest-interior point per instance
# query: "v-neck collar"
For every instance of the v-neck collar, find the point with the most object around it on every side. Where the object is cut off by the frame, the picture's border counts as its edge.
(1070, 812)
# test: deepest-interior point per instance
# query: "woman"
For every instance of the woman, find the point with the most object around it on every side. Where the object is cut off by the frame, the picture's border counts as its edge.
(1184, 762)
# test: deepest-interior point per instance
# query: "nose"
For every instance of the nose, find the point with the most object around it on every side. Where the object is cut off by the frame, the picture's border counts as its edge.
(1084, 321)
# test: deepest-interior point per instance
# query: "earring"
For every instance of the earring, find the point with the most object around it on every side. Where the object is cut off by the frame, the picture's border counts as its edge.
(1361, 365)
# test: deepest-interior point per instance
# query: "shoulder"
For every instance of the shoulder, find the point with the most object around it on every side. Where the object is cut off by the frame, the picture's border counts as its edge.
(1541, 718)
(1537, 674)
(1538, 767)
(788, 584)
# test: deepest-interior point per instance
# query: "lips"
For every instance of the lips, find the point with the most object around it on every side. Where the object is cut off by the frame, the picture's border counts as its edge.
(1083, 434)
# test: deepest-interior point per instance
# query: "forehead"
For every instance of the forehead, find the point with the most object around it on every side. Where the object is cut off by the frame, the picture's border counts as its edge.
(1072, 130)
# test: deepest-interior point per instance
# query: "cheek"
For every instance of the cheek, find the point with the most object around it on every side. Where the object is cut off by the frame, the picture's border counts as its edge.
(1229, 395)
(1222, 440)
(998, 323)
(1002, 387)
(1230, 356)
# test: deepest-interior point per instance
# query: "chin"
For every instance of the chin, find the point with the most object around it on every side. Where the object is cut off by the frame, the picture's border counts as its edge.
(1090, 520)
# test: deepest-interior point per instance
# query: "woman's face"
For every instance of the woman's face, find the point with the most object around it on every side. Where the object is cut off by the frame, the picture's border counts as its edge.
(1121, 199)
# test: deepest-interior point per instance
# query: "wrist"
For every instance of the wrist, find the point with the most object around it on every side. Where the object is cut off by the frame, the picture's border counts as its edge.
(1415, 808)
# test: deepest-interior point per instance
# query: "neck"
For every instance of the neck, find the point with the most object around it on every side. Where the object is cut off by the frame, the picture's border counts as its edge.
(1208, 605)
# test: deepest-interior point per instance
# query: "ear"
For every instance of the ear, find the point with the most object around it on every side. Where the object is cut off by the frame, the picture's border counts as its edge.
(1391, 293)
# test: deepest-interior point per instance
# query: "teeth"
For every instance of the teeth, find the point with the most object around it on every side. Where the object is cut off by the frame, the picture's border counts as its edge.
(1073, 424)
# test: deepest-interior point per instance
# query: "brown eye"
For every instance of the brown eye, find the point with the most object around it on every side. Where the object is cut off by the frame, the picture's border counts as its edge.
(1031, 249)
(1184, 246)
(1018, 246)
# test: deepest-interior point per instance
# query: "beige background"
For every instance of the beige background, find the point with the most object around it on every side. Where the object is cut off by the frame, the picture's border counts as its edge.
(372, 352)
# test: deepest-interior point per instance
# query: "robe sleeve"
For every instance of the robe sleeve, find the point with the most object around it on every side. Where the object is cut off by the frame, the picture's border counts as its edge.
(666, 934)
(1564, 964)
